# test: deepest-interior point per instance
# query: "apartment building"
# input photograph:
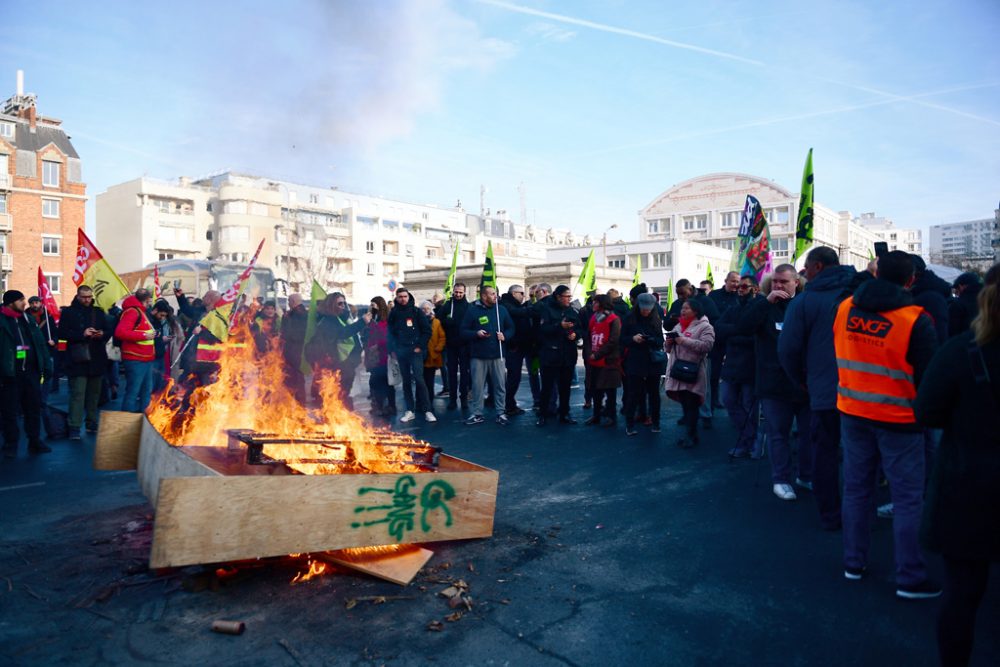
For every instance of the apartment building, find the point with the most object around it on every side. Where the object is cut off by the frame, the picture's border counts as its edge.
(707, 209)
(352, 242)
(42, 198)
(969, 245)
(907, 240)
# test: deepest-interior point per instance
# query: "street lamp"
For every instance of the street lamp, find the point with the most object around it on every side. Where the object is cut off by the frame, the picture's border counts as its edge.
(604, 244)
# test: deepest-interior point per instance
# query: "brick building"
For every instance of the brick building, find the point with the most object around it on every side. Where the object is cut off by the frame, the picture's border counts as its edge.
(42, 198)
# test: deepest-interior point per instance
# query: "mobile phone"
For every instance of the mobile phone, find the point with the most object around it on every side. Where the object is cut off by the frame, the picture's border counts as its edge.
(673, 334)
(881, 248)
(177, 284)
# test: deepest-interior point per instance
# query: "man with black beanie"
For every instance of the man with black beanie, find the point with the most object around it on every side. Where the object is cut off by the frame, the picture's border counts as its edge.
(24, 357)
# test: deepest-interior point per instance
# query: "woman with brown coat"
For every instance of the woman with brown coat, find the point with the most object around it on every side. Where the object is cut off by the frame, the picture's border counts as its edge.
(690, 341)
(604, 359)
(435, 348)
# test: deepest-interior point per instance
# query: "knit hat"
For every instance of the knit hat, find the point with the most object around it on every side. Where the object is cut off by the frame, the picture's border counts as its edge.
(11, 296)
(646, 301)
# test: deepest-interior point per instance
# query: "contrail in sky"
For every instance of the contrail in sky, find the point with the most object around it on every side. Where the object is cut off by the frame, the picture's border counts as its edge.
(781, 119)
(617, 31)
(562, 18)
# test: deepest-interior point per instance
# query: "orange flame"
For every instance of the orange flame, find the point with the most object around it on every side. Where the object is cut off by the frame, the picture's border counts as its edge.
(251, 394)
(316, 569)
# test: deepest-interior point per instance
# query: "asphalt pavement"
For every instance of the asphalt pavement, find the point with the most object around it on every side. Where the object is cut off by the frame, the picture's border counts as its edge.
(608, 550)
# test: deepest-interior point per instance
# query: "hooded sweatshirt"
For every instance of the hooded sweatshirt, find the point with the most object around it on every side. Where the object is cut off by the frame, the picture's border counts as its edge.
(408, 328)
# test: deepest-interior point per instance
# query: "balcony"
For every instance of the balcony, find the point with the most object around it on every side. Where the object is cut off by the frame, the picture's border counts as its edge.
(6, 223)
(6, 262)
(5, 181)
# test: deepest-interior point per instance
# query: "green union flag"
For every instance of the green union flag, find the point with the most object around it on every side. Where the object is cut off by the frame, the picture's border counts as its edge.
(315, 297)
(489, 278)
(450, 283)
(804, 228)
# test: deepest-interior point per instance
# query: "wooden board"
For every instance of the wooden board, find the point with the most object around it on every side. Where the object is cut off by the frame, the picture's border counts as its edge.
(398, 568)
(118, 437)
(159, 460)
(216, 519)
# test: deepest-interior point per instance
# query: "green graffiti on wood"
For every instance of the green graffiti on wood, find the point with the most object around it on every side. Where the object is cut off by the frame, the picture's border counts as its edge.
(400, 513)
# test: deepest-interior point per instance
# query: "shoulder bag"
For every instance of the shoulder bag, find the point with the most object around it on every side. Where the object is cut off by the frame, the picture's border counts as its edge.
(685, 371)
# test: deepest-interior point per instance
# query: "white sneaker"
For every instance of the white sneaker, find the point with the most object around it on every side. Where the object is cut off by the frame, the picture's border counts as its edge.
(408, 416)
(784, 491)
(429, 416)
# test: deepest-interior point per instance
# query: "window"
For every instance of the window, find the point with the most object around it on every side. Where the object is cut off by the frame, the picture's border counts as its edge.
(50, 208)
(313, 199)
(390, 269)
(390, 224)
(409, 251)
(390, 248)
(3, 202)
(50, 245)
(6, 129)
(54, 283)
(50, 174)
(166, 255)
(731, 219)
(257, 208)
(370, 247)
(433, 253)
(368, 222)
(236, 207)
(370, 268)
(695, 222)
(653, 226)
(234, 234)
(163, 205)
(662, 259)
(616, 263)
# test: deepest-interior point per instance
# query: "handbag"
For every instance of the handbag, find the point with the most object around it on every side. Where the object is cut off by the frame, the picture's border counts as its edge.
(685, 371)
(79, 353)
(395, 375)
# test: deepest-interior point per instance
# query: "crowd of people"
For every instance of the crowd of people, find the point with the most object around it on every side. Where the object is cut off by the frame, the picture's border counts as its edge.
(891, 369)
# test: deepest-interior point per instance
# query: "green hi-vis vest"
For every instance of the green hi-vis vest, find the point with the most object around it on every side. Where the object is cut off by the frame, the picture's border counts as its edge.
(345, 347)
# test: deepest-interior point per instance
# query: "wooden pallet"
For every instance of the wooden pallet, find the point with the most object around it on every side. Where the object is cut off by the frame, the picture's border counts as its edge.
(212, 507)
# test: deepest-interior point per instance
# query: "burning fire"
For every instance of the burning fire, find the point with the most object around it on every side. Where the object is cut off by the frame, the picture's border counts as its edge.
(316, 569)
(251, 394)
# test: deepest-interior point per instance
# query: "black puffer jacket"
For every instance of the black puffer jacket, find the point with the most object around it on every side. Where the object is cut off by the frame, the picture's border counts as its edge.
(962, 509)
(408, 328)
(451, 313)
(555, 347)
(75, 319)
(739, 365)
(963, 309)
(637, 355)
(933, 294)
(525, 327)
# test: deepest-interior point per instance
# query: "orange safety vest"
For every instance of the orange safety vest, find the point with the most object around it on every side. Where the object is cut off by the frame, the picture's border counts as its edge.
(876, 380)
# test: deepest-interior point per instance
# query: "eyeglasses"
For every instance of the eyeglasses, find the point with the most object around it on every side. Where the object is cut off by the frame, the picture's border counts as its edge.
(745, 286)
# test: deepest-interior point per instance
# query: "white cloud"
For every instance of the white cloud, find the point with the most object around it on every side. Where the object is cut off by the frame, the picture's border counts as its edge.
(549, 32)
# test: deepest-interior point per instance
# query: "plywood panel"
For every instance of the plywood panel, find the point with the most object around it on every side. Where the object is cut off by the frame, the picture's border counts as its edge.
(216, 519)
(159, 460)
(399, 568)
(118, 439)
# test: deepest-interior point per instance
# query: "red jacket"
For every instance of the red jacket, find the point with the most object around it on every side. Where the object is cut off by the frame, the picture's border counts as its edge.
(131, 331)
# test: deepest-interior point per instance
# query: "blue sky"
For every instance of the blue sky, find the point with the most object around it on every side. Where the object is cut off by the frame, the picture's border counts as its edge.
(597, 107)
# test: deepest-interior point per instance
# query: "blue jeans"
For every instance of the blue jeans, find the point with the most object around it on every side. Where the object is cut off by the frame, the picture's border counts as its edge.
(496, 371)
(741, 404)
(411, 365)
(138, 385)
(902, 458)
(778, 417)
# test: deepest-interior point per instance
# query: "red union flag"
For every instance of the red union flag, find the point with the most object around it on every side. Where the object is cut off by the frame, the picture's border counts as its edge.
(48, 300)
(220, 319)
(233, 293)
(157, 293)
(93, 270)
